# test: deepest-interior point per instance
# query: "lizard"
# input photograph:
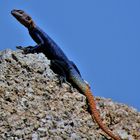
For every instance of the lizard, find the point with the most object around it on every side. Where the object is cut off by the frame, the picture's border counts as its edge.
(60, 64)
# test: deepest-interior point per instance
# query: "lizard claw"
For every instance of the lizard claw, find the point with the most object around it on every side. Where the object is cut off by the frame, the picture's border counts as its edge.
(19, 47)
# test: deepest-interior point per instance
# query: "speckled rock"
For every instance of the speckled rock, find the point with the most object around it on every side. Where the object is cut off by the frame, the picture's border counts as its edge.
(34, 106)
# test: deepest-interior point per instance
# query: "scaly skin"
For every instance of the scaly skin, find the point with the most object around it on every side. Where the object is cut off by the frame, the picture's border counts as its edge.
(60, 64)
(85, 89)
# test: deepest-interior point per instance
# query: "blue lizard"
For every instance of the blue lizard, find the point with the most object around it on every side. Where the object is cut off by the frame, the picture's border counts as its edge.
(60, 63)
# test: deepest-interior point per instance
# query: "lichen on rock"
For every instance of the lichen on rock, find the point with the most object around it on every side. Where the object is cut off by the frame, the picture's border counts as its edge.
(34, 106)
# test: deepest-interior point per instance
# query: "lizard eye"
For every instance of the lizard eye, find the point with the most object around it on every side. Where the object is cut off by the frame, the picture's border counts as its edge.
(21, 12)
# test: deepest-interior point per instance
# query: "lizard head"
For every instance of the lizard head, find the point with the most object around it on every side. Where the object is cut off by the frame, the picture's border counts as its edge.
(23, 18)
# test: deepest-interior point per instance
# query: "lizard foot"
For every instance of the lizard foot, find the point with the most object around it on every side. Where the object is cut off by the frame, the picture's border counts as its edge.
(26, 50)
(63, 80)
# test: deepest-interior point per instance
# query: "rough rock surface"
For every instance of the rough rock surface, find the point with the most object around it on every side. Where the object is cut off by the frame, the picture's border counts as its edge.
(34, 106)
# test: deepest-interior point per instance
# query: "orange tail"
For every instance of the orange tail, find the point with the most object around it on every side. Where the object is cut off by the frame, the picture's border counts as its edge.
(96, 116)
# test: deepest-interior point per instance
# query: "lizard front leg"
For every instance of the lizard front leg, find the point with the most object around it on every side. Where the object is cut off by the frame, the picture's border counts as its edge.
(31, 49)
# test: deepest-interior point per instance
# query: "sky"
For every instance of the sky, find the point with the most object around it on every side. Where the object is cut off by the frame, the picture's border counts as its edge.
(101, 37)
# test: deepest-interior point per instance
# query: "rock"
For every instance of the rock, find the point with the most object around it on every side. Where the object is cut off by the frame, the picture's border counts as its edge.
(34, 106)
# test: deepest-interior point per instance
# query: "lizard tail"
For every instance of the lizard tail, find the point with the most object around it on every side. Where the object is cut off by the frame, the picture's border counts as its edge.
(96, 116)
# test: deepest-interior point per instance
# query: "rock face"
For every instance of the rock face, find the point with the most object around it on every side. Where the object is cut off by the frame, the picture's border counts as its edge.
(34, 106)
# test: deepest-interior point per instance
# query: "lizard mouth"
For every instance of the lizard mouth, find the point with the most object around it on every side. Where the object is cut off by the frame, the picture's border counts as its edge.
(17, 13)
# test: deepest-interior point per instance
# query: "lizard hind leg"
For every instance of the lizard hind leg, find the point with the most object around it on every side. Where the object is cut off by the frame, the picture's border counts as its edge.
(58, 68)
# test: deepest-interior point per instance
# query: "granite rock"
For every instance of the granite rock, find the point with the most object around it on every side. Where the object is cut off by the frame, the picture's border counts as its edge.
(34, 106)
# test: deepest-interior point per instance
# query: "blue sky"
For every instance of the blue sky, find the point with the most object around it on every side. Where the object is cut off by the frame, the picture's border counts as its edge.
(101, 37)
